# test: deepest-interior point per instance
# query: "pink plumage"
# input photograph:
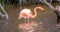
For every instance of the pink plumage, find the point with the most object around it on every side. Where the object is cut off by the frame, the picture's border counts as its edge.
(25, 13)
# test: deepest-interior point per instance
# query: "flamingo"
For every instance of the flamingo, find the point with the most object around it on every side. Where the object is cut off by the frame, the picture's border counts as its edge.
(26, 13)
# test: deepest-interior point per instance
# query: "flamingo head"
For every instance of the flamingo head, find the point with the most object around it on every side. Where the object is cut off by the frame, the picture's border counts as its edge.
(41, 8)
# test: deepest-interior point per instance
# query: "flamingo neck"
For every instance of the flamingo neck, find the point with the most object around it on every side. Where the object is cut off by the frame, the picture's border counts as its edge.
(35, 11)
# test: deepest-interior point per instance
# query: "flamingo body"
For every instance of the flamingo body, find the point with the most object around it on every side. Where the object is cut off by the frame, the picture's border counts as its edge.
(25, 13)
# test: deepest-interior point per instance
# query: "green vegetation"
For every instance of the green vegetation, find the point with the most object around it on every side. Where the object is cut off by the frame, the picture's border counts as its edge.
(2, 2)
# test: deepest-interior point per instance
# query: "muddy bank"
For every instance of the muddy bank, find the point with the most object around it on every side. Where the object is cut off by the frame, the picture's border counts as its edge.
(48, 17)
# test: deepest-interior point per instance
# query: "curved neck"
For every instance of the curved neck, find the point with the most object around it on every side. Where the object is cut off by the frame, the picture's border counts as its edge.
(35, 11)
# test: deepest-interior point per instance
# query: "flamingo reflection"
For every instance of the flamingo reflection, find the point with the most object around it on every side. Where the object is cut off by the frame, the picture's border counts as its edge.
(28, 27)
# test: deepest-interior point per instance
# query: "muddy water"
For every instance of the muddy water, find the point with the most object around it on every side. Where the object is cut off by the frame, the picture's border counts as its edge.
(48, 19)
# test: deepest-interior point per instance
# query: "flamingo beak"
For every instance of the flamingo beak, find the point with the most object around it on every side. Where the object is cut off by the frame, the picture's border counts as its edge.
(41, 8)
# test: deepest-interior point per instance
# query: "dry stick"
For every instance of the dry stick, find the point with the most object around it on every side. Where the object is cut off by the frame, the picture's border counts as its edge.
(59, 2)
(49, 5)
(50, 1)
(20, 4)
(6, 15)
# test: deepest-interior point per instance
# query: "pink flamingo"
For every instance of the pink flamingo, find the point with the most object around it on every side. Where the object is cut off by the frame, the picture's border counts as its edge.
(26, 13)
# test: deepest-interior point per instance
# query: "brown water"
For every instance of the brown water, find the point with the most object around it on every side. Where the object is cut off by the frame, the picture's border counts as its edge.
(48, 19)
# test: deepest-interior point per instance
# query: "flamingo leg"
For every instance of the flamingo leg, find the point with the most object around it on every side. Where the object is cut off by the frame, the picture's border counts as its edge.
(28, 19)
(25, 20)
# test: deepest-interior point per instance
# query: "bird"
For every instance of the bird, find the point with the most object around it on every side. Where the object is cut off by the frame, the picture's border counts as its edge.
(26, 13)
(58, 8)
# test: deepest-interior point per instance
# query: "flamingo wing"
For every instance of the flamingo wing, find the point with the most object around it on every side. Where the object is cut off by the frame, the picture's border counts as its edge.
(25, 13)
